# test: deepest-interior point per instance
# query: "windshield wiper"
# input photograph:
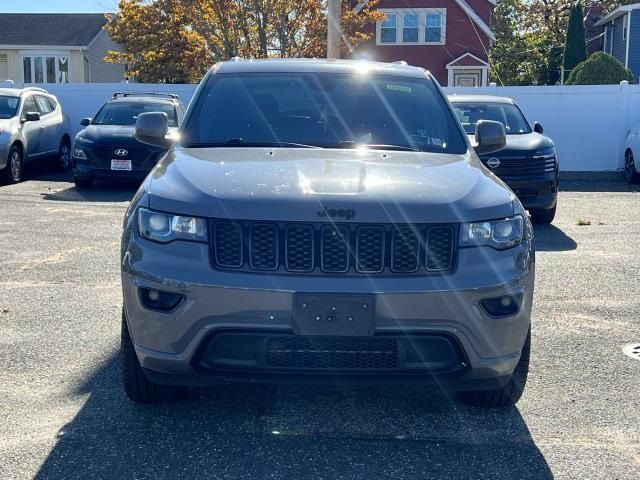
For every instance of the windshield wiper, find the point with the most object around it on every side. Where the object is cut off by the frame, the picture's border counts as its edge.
(376, 146)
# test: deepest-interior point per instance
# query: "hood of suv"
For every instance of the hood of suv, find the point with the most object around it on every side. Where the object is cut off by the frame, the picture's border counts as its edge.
(523, 144)
(121, 135)
(292, 184)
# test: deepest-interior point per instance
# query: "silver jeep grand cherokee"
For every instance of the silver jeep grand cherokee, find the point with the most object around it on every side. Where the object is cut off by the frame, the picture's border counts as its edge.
(324, 221)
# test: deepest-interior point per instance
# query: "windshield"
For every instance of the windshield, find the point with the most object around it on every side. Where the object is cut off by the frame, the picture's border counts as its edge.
(122, 113)
(323, 110)
(8, 107)
(507, 114)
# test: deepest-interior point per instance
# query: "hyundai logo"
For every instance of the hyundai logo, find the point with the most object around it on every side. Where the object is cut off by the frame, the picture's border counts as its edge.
(493, 162)
(121, 152)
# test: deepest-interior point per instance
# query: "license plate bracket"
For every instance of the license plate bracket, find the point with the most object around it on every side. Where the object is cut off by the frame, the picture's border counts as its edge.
(121, 165)
(333, 314)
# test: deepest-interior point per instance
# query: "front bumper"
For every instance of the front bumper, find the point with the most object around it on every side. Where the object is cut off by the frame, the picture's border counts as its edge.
(536, 193)
(170, 345)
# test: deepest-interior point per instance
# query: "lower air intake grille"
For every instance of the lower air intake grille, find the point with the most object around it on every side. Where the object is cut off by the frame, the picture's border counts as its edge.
(339, 353)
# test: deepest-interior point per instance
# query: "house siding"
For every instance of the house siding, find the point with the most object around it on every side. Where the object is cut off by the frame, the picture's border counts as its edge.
(4, 67)
(99, 70)
(634, 45)
(461, 37)
(619, 45)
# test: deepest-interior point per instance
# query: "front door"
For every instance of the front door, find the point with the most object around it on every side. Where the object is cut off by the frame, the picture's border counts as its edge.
(31, 131)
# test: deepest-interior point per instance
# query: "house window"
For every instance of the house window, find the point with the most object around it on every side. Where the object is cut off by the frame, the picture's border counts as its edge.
(413, 26)
(388, 29)
(624, 27)
(410, 28)
(433, 28)
(45, 69)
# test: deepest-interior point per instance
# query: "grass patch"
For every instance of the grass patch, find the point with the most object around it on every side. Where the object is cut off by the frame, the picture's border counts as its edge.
(583, 222)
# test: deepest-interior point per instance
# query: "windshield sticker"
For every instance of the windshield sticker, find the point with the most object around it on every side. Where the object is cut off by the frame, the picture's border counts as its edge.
(399, 88)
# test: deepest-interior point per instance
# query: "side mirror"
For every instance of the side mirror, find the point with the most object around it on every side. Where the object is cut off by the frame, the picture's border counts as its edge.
(32, 117)
(538, 128)
(85, 122)
(152, 129)
(490, 137)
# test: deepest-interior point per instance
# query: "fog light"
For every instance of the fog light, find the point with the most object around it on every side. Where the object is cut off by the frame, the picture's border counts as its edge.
(159, 300)
(503, 306)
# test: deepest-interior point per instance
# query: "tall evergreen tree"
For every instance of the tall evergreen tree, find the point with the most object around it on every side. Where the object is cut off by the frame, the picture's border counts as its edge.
(575, 48)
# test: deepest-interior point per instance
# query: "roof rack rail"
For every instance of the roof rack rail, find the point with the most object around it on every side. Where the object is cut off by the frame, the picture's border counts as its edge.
(34, 89)
(145, 94)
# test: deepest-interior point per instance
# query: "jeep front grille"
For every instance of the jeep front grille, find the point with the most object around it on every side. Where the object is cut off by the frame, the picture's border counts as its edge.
(339, 249)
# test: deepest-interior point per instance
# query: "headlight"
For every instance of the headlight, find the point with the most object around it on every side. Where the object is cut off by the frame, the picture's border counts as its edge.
(79, 153)
(164, 228)
(498, 234)
(545, 152)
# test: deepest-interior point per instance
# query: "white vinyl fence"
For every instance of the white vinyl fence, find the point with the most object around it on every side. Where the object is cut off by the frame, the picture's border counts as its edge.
(588, 123)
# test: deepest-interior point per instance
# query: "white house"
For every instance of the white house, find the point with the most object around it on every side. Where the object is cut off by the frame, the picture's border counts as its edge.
(56, 48)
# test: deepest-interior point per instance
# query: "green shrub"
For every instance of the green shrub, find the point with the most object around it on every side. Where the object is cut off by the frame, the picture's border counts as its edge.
(599, 69)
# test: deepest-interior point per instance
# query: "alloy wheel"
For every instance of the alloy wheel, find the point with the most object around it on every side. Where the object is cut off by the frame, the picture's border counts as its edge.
(16, 166)
(65, 155)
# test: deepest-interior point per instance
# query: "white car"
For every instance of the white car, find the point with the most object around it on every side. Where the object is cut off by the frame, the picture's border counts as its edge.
(632, 155)
(33, 128)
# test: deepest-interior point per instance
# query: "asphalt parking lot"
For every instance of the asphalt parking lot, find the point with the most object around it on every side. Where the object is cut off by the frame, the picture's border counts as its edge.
(64, 414)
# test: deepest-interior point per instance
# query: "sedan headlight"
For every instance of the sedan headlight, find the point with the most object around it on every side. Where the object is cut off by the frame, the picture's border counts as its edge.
(165, 228)
(498, 234)
(79, 153)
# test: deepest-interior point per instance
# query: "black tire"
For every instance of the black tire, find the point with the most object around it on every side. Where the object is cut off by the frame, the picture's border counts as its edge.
(137, 386)
(630, 168)
(83, 183)
(511, 392)
(64, 154)
(14, 171)
(543, 216)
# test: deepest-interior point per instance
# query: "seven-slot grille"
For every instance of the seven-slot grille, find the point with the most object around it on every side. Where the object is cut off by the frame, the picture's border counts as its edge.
(519, 167)
(332, 248)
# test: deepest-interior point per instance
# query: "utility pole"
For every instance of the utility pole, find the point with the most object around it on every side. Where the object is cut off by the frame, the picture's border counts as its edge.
(334, 30)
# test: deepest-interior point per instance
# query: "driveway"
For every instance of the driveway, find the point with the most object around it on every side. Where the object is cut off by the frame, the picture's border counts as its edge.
(64, 414)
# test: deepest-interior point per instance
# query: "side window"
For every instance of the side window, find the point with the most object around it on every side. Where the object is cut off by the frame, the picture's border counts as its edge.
(53, 103)
(44, 107)
(179, 113)
(29, 106)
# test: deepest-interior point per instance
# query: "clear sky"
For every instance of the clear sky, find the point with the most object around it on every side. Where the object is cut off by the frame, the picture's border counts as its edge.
(57, 6)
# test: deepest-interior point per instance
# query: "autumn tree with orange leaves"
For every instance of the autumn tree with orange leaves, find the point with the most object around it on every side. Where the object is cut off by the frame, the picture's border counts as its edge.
(175, 41)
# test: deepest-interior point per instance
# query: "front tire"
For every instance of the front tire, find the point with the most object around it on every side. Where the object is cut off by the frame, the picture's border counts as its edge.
(543, 216)
(13, 172)
(64, 155)
(83, 183)
(630, 172)
(137, 386)
(511, 392)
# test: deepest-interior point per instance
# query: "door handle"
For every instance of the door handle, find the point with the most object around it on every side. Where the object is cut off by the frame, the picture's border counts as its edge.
(42, 126)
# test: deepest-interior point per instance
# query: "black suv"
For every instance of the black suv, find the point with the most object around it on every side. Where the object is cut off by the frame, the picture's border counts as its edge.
(529, 162)
(107, 149)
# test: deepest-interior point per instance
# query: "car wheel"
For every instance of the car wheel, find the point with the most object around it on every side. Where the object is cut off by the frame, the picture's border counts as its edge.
(543, 215)
(64, 155)
(83, 183)
(137, 386)
(511, 392)
(630, 168)
(13, 173)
